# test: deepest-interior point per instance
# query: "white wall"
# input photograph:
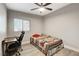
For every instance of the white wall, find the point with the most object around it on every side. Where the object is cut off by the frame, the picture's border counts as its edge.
(3, 23)
(36, 23)
(64, 24)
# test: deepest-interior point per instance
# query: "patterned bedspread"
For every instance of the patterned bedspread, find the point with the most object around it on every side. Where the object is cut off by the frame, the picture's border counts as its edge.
(44, 41)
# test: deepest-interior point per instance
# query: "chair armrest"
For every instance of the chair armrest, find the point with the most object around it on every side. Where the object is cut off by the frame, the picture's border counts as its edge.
(10, 42)
(10, 38)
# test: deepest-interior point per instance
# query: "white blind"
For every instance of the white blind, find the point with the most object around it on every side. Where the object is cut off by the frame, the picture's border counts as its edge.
(21, 25)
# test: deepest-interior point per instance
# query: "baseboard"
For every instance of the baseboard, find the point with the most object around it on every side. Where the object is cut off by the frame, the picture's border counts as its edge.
(72, 48)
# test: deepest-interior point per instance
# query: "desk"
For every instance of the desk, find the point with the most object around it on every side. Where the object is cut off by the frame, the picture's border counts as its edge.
(5, 43)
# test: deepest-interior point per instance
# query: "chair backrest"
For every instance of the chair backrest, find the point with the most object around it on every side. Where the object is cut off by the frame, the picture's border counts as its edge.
(21, 36)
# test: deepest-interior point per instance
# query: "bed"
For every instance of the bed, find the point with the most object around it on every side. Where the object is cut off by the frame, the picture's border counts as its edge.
(47, 44)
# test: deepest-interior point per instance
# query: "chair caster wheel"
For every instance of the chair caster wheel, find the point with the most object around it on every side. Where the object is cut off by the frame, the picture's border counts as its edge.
(18, 54)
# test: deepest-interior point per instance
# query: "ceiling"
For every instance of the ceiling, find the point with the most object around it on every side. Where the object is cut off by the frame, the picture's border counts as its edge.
(25, 7)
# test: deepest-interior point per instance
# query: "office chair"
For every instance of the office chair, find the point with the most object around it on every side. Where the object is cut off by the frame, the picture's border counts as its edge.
(14, 46)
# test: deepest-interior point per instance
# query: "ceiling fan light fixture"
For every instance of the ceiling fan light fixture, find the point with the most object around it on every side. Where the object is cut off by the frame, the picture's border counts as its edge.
(41, 9)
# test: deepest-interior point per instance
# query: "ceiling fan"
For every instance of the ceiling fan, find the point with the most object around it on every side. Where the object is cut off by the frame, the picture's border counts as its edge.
(42, 6)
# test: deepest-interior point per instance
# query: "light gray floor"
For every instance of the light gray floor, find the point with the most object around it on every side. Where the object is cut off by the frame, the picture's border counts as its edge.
(30, 50)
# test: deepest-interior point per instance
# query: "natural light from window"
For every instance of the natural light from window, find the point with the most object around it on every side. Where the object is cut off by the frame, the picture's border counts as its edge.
(2, 25)
(21, 25)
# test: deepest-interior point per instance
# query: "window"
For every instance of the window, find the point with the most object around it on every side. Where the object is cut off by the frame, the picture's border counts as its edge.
(21, 25)
(26, 25)
(2, 25)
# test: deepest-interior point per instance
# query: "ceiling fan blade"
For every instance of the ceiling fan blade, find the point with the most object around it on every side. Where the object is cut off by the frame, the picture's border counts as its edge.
(46, 4)
(49, 9)
(37, 4)
(34, 9)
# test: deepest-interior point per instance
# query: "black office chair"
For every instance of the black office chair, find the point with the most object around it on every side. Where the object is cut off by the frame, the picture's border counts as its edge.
(15, 46)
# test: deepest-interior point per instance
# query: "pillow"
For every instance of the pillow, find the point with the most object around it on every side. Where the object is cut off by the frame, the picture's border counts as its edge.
(36, 35)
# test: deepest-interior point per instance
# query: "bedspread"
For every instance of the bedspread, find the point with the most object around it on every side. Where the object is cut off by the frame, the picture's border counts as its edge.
(46, 43)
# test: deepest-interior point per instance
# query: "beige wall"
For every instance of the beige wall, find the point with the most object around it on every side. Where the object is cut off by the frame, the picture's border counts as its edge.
(3, 24)
(36, 23)
(64, 24)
